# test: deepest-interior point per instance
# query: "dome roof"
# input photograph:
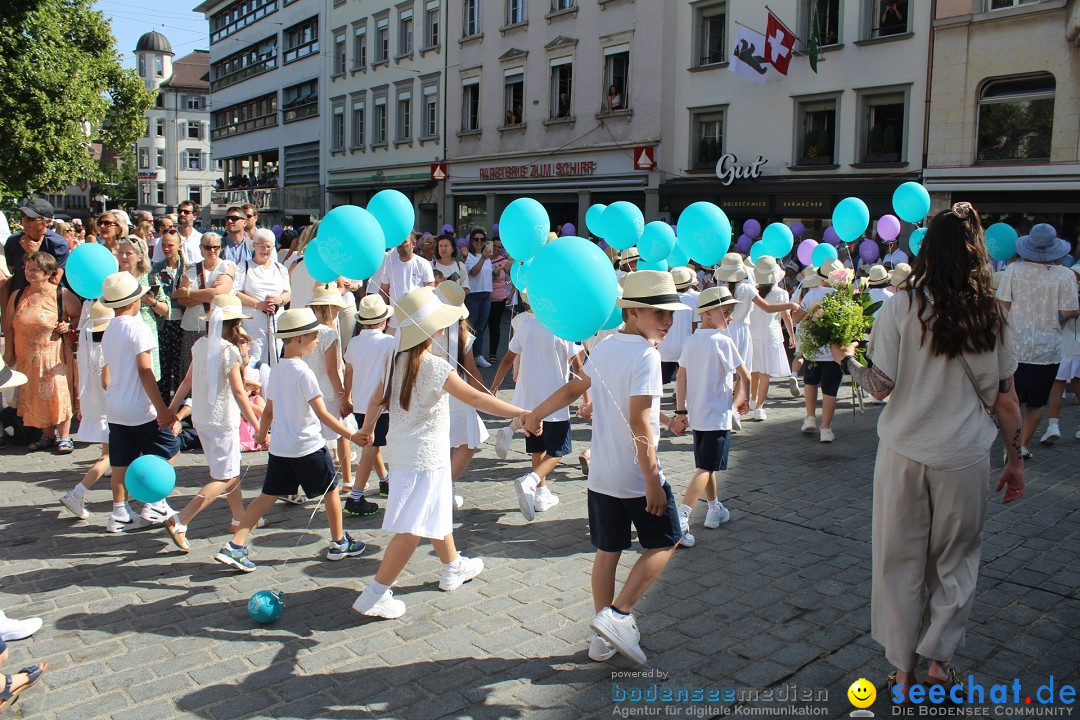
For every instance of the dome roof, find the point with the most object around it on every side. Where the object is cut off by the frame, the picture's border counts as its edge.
(154, 42)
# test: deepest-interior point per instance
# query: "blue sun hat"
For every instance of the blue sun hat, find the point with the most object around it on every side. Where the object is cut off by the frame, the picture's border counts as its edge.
(1042, 245)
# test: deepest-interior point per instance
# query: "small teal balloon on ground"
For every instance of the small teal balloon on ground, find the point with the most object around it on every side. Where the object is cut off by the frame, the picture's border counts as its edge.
(87, 267)
(266, 606)
(915, 241)
(1001, 241)
(822, 253)
(911, 201)
(150, 478)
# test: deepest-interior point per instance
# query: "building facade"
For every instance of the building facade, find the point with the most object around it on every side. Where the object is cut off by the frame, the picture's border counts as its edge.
(173, 157)
(560, 100)
(1005, 111)
(267, 74)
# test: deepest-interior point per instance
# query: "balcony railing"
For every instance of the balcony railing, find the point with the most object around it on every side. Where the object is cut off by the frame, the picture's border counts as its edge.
(244, 126)
(298, 111)
(256, 68)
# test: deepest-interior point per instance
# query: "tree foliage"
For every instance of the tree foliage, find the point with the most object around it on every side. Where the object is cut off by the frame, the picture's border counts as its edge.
(59, 69)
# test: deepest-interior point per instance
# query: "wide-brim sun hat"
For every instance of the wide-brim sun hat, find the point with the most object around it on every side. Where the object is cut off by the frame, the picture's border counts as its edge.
(120, 290)
(714, 297)
(767, 271)
(100, 316)
(326, 294)
(452, 293)
(295, 322)
(899, 274)
(651, 289)
(10, 378)
(231, 308)
(629, 255)
(420, 314)
(372, 310)
(811, 279)
(731, 269)
(828, 267)
(684, 277)
(877, 276)
(1042, 244)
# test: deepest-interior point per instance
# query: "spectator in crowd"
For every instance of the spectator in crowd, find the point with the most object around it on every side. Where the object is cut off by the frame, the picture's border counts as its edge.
(111, 226)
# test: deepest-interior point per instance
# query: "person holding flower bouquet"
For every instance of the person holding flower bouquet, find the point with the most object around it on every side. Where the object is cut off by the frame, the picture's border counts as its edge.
(821, 370)
(943, 350)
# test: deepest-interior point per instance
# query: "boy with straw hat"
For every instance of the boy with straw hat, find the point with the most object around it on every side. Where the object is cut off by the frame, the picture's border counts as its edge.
(625, 485)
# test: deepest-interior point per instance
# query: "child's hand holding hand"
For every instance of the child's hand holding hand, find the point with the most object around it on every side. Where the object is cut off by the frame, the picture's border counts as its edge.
(585, 411)
(531, 422)
(346, 408)
(363, 437)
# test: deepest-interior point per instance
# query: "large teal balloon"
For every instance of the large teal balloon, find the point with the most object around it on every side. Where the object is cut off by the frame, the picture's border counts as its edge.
(915, 241)
(150, 478)
(524, 226)
(757, 250)
(572, 287)
(623, 224)
(822, 253)
(778, 240)
(678, 257)
(395, 214)
(911, 202)
(351, 242)
(705, 232)
(316, 265)
(593, 219)
(657, 242)
(87, 267)
(1000, 241)
(660, 265)
(851, 217)
(615, 319)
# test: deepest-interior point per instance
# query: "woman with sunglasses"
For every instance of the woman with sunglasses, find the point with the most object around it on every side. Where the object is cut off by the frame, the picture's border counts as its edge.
(169, 272)
(110, 228)
(132, 256)
(263, 285)
(202, 282)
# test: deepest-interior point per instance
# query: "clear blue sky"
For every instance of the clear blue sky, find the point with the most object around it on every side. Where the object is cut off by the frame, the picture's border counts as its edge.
(186, 30)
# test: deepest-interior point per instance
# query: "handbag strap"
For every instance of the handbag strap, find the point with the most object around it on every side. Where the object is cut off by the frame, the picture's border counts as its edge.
(971, 377)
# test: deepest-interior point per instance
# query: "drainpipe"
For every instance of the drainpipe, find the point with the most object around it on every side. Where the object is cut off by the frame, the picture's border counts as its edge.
(929, 83)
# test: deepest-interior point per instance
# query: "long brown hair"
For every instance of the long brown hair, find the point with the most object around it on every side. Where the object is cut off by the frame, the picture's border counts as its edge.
(232, 332)
(412, 368)
(950, 284)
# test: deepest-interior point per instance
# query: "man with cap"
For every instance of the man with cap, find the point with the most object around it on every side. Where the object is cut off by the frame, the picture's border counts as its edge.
(37, 215)
(1037, 293)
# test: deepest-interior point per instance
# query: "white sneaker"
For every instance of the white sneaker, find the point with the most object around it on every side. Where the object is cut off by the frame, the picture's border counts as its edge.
(11, 629)
(157, 512)
(458, 502)
(459, 572)
(123, 514)
(108, 472)
(687, 540)
(544, 499)
(809, 425)
(717, 515)
(481, 361)
(827, 435)
(502, 441)
(621, 631)
(793, 386)
(1053, 434)
(526, 492)
(600, 649)
(76, 506)
(384, 606)
(736, 424)
(759, 414)
(117, 525)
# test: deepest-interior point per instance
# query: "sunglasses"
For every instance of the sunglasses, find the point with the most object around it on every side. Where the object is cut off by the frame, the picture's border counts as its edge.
(107, 223)
(250, 216)
(171, 231)
(210, 247)
(234, 218)
(184, 212)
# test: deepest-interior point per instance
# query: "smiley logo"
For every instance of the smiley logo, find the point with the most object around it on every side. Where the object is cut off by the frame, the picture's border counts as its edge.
(862, 693)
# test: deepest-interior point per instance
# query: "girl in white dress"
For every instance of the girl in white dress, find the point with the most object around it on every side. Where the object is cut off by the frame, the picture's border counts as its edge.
(326, 363)
(768, 357)
(418, 449)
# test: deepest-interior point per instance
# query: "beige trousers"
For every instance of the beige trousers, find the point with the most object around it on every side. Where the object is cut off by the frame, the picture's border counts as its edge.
(927, 541)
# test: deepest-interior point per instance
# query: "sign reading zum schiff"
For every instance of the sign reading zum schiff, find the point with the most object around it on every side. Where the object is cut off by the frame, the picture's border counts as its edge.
(538, 170)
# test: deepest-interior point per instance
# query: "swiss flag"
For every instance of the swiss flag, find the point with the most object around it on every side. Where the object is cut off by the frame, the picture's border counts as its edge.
(778, 44)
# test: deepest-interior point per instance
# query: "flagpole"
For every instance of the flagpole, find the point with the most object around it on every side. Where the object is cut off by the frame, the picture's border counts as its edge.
(748, 27)
(784, 24)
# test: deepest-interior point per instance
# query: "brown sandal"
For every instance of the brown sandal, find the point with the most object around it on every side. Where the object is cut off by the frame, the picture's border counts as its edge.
(947, 683)
(890, 683)
(9, 697)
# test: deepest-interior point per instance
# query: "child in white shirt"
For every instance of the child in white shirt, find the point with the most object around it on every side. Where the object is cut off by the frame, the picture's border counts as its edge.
(682, 326)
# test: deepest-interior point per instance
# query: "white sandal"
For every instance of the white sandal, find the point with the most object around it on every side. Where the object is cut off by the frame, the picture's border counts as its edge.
(235, 524)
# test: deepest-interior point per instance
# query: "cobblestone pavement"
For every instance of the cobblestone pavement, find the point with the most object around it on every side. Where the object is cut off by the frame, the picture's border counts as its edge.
(778, 599)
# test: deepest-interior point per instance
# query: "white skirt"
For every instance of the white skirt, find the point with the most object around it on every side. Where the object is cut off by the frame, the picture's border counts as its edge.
(466, 427)
(329, 435)
(421, 502)
(93, 430)
(222, 451)
(1068, 369)
(769, 357)
(740, 335)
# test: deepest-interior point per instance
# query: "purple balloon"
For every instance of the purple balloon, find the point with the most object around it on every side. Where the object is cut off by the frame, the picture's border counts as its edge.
(751, 229)
(569, 229)
(806, 250)
(868, 251)
(797, 229)
(495, 230)
(831, 237)
(743, 244)
(888, 227)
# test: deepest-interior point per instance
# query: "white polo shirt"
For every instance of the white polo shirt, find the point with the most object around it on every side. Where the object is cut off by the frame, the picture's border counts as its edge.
(710, 358)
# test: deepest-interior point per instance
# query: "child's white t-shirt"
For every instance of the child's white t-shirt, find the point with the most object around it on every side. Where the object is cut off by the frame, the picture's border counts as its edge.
(682, 326)
(224, 414)
(745, 292)
(765, 326)
(709, 357)
(126, 402)
(296, 430)
(545, 365)
(812, 296)
(366, 357)
(622, 366)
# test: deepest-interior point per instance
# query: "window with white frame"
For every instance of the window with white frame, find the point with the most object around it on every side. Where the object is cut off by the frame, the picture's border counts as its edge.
(144, 192)
(882, 131)
(470, 105)
(160, 193)
(404, 115)
(144, 158)
(142, 66)
(1016, 119)
(430, 127)
(706, 137)
(378, 132)
(195, 102)
(888, 17)
(471, 25)
(337, 126)
(431, 24)
(562, 88)
(382, 41)
(159, 127)
(194, 194)
(710, 22)
(358, 123)
(159, 66)
(825, 14)
(515, 12)
(159, 157)
(194, 130)
(339, 53)
(302, 40)
(514, 96)
(1002, 4)
(193, 159)
(816, 129)
(360, 47)
(405, 32)
(616, 78)
(557, 5)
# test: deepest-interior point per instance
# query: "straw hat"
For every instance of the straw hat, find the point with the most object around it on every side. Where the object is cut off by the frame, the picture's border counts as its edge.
(120, 290)
(372, 310)
(326, 294)
(651, 289)
(811, 279)
(10, 378)
(1042, 245)
(450, 293)
(731, 269)
(767, 271)
(714, 297)
(100, 317)
(684, 277)
(420, 314)
(829, 267)
(251, 377)
(298, 321)
(878, 276)
(230, 306)
(899, 274)
(629, 255)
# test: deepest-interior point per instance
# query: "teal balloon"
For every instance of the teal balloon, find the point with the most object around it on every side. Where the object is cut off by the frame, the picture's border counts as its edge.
(1000, 241)
(266, 606)
(678, 257)
(519, 274)
(657, 241)
(705, 232)
(911, 202)
(778, 240)
(615, 319)
(150, 478)
(524, 226)
(822, 254)
(757, 250)
(87, 267)
(915, 240)
(623, 224)
(350, 243)
(316, 265)
(395, 214)
(851, 217)
(593, 219)
(660, 265)
(572, 288)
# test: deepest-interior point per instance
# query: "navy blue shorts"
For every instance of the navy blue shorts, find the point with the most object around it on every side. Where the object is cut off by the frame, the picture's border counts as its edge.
(711, 449)
(381, 427)
(1034, 383)
(668, 370)
(553, 442)
(128, 442)
(610, 519)
(314, 473)
(827, 374)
